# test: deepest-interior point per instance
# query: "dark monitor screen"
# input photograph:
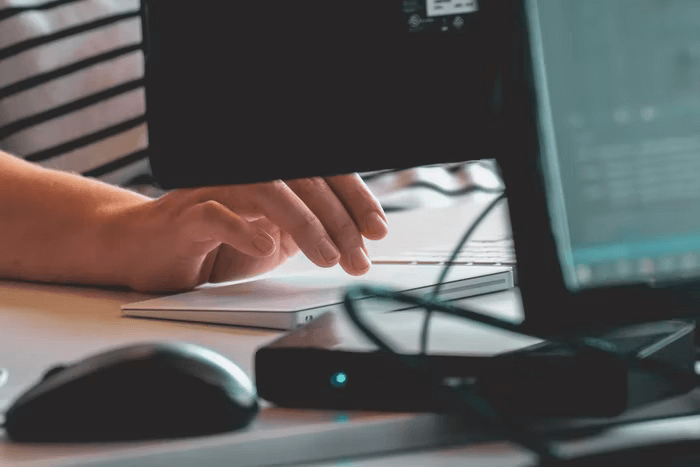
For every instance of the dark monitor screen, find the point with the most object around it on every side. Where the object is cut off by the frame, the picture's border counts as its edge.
(618, 86)
(242, 92)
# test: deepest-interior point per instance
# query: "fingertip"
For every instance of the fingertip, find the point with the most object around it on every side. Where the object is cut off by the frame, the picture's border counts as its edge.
(357, 262)
(375, 227)
(264, 243)
(353, 271)
(328, 253)
(360, 261)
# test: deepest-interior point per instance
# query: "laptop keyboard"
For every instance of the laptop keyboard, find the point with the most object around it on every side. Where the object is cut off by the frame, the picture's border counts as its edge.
(475, 252)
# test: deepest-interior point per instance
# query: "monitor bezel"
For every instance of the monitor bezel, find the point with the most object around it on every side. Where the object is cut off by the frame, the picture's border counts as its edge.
(550, 308)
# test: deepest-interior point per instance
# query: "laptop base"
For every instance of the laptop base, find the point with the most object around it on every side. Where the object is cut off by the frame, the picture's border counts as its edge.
(288, 301)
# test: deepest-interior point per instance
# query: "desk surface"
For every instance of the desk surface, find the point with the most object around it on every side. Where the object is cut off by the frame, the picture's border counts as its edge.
(42, 325)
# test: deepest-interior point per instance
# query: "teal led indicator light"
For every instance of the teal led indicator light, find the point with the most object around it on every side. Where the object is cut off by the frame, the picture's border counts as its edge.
(339, 379)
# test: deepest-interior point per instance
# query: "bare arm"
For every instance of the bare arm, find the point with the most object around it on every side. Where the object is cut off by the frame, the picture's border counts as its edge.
(61, 227)
(52, 224)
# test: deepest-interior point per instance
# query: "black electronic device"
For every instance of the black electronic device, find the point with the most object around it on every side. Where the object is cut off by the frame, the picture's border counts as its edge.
(601, 107)
(330, 364)
(240, 92)
(143, 391)
(552, 380)
(674, 452)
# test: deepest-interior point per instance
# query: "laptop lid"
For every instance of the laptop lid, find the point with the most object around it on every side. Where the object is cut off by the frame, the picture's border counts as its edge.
(601, 105)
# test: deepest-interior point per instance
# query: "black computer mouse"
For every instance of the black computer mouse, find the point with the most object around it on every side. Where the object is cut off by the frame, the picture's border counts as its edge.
(143, 391)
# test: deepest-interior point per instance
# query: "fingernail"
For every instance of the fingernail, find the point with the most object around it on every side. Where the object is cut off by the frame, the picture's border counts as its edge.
(375, 225)
(329, 252)
(264, 243)
(359, 259)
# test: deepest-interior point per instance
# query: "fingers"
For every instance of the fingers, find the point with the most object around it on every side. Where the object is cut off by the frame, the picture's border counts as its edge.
(325, 218)
(289, 246)
(210, 224)
(232, 264)
(361, 204)
(277, 202)
(285, 242)
(287, 210)
(318, 196)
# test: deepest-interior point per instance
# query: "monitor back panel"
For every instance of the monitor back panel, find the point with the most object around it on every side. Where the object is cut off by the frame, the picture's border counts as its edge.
(248, 91)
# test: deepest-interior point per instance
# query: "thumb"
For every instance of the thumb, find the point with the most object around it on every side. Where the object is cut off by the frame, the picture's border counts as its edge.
(209, 224)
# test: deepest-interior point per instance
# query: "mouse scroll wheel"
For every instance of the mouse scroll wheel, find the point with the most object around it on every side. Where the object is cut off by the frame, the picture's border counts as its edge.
(52, 371)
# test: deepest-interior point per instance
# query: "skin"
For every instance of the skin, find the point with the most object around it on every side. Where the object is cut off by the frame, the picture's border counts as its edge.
(61, 227)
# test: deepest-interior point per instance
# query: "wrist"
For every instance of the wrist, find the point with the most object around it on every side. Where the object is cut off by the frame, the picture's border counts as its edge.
(120, 232)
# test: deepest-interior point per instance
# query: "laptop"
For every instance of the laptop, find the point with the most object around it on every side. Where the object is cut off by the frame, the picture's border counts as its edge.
(287, 301)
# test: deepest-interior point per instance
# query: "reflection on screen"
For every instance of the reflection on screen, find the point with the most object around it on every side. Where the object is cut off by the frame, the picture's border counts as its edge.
(623, 85)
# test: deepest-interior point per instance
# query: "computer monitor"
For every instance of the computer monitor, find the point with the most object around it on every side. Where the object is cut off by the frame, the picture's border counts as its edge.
(241, 92)
(591, 108)
(602, 163)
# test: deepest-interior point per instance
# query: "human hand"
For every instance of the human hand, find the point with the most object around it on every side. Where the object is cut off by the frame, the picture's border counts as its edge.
(213, 234)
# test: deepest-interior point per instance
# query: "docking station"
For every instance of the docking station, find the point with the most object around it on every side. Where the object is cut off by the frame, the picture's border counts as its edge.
(328, 364)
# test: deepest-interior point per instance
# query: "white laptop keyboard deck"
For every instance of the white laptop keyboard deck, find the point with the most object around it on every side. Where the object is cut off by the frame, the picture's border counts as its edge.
(475, 252)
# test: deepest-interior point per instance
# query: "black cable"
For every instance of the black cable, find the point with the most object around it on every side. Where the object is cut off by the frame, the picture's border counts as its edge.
(368, 176)
(459, 192)
(450, 262)
(466, 398)
(465, 238)
(471, 401)
(589, 345)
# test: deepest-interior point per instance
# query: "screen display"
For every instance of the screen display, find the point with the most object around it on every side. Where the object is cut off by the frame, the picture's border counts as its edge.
(619, 106)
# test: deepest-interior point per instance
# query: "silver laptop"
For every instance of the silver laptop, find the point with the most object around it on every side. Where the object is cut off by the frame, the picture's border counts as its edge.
(290, 300)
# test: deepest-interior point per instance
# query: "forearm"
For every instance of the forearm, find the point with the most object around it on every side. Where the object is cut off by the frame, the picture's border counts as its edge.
(54, 226)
